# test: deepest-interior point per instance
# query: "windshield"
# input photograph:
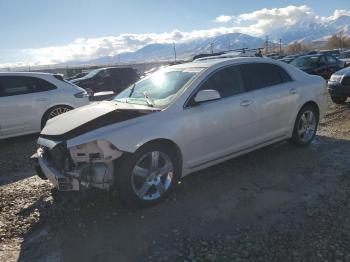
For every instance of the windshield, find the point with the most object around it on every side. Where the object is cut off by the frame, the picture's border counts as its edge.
(306, 62)
(158, 89)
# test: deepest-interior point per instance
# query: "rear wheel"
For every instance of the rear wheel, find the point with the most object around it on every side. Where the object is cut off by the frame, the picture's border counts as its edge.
(305, 126)
(147, 176)
(338, 99)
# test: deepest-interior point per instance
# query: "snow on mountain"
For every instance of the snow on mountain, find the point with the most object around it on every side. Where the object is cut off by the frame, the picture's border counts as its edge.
(310, 31)
(186, 50)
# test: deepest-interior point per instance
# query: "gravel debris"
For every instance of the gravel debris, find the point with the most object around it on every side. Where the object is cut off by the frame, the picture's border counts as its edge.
(277, 204)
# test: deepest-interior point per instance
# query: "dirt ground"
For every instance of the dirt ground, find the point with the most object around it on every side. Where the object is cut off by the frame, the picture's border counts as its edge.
(280, 203)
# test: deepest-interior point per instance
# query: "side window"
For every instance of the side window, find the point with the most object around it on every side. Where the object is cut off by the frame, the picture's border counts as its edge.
(284, 75)
(262, 75)
(15, 85)
(331, 59)
(41, 85)
(227, 82)
(322, 61)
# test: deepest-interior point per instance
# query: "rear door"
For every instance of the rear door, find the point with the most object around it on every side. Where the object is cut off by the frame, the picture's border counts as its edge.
(275, 96)
(21, 105)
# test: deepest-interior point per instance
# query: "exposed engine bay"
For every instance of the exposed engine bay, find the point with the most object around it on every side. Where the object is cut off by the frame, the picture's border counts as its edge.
(79, 167)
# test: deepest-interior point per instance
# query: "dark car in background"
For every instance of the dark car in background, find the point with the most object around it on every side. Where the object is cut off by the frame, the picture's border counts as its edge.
(79, 75)
(345, 57)
(339, 86)
(113, 79)
(322, 65)
(334, 52)
(289, 58)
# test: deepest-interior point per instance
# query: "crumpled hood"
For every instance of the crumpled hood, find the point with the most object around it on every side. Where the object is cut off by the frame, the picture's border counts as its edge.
(90, 117)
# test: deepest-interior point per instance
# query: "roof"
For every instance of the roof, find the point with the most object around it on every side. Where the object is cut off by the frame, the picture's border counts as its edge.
(210, 62)
(26, 73)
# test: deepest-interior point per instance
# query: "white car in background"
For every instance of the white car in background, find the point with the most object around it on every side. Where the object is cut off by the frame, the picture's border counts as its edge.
(177, 121)
(29, 100)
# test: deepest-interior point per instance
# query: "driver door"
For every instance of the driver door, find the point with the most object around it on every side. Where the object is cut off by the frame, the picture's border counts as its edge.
(216, 129)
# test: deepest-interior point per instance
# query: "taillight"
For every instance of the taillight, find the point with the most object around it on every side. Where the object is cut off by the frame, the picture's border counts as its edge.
(81, 94)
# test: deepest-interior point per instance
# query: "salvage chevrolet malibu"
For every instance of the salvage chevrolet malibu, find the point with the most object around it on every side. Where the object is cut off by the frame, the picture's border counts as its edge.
(179, 120)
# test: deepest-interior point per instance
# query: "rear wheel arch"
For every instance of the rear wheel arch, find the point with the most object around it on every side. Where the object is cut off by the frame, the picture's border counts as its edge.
(44, 118)
(313, 104)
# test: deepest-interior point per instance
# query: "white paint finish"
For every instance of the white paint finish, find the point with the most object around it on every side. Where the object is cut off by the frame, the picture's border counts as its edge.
(22, 114)
(218, 130)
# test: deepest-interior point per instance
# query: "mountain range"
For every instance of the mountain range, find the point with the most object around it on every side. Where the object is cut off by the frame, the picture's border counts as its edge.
(305, 32)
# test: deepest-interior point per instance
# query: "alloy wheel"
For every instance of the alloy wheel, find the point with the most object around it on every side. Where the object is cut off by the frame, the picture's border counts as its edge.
(58, 111)
(307, 126)
(152, 175)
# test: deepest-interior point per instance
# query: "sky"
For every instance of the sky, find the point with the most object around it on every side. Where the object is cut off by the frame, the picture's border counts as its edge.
(46, 32)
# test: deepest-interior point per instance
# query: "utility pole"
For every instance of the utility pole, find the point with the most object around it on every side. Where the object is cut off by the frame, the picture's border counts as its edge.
(212, 48)
(280, 46)
(174, 52)
(267, 44)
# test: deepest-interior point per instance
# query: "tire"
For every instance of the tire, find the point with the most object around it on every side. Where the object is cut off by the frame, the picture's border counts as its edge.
(338, 99)
(54, 111)
(304, 132)
(148, 176)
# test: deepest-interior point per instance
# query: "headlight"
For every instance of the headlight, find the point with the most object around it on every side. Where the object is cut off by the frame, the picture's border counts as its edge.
(81, 94)
(99, 150)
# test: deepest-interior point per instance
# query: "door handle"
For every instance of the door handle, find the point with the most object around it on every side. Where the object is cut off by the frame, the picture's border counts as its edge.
(246, 103)
(293, 91)
(43, 99)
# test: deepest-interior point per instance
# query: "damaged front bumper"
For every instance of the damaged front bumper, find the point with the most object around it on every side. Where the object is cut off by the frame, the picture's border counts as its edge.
(75, 169)
(46, 170)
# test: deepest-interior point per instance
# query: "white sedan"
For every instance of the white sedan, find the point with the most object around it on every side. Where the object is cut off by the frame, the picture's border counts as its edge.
(179, 120)
(28, 100)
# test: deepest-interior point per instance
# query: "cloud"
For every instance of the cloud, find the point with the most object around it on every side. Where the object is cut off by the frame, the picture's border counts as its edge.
(256, 23)
(223, 19)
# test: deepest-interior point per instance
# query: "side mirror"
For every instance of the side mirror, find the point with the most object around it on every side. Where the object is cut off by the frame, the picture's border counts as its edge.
(206, 95)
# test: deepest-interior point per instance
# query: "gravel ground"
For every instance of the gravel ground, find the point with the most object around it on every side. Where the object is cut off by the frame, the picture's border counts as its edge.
(278, 203)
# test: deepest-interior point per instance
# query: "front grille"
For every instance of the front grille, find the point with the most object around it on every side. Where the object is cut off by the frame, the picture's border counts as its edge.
(346, 81)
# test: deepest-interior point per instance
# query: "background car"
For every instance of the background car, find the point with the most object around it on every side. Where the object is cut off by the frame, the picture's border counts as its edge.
(107, 79)
(79, 75)
(28, 100)
(339, 86)
(288, 59)
(334, 52)
(345, 57)
(322, 65)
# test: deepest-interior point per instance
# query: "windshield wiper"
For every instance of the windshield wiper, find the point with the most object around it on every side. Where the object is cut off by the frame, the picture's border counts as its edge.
(149, 100)
(132, 89)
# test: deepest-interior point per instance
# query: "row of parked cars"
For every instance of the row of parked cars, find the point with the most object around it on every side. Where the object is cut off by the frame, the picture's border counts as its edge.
(331, 65)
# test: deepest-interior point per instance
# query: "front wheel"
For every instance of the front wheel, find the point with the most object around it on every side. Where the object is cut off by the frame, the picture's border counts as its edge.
(305, 126)
(147, 176)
